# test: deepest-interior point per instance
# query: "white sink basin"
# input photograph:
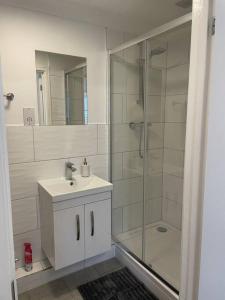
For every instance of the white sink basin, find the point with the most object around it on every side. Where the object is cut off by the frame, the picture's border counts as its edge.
(61, 189)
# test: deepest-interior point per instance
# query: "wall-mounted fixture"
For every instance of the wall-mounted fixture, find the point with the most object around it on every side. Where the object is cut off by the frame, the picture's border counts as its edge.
(9, 96)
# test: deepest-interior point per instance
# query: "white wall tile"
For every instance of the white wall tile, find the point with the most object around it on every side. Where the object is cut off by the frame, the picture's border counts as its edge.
(156, 81)
(118, 71)
(175, 134)
(176, 108)
(132, 56)
(155, 161)
(132, 79)
(24, 177)
(132, 164)
(24, 215)
(117, 221)
(59, 122)
(117, 108)
(173, 188)
(153, 210)
(127, 191)
(134, 111)
(57, 87)
(155, 135)
(155, 108)
(177, 80)
(53, 142)
(33, 237)
(173, 162)
(132, 216)
(173, 213)
(124, 138)
(20, 144)
(58, 109)
(103, 139)
(154, 187)
(117, 166)
(99, 165)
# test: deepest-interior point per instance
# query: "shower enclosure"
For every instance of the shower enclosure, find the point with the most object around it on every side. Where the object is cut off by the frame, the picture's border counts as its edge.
(148, 91)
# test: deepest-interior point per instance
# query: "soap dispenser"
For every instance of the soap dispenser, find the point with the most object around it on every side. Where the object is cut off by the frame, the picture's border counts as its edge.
(85, 169)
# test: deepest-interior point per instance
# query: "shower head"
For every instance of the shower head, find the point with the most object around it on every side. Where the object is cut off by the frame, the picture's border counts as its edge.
(157, 51)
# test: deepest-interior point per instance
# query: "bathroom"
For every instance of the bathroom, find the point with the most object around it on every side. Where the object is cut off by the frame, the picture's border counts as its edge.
(106, 148)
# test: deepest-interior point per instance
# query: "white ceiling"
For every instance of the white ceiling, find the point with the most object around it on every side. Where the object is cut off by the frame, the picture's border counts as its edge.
(134, 16)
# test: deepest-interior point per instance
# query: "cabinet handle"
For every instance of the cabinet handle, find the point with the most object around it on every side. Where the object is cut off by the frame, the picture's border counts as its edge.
(78, 227)
(92, 223)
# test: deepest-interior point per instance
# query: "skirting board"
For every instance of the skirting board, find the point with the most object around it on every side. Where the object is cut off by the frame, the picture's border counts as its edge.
(147, 278)
(37, 279)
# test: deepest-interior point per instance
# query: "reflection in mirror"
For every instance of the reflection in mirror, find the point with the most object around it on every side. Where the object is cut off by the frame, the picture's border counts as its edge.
(61, 89)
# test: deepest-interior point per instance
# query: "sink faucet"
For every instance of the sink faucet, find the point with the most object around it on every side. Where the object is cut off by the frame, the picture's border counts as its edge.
(69, 170)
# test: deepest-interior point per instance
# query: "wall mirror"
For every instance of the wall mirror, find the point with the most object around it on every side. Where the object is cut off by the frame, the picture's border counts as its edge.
(61, 89)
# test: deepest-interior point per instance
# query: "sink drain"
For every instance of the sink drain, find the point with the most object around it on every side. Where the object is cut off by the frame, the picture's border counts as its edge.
(161, 229)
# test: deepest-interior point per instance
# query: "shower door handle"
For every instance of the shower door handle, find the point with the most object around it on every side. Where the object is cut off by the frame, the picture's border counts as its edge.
(92, 223)
(78, 227)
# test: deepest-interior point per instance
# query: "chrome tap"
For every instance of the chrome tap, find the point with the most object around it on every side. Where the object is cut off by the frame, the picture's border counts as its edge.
(69, 170)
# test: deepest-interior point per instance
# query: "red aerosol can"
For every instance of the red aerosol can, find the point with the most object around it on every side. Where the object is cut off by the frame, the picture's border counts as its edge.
(28, 257)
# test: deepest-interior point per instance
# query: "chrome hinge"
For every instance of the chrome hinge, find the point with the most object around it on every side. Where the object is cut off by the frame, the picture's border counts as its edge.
(13, 290)
(213, 26)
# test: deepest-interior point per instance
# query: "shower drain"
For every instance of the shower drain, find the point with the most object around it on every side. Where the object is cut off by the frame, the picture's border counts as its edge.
(161, 229)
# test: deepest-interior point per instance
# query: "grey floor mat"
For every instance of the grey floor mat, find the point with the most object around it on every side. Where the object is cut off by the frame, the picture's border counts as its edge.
(119, 285)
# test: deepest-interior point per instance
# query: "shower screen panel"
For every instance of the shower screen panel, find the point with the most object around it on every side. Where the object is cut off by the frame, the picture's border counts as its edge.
(149, 85)
(127, 138)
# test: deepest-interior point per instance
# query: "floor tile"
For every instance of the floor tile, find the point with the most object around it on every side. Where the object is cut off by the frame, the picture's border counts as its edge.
(74, 280)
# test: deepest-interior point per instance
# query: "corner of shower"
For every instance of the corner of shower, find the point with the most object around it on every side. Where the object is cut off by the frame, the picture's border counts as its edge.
(148, 99)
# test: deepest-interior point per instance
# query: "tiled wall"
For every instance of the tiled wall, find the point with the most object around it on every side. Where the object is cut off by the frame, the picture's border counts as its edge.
(175, 124)
(57, 97)
(40, 152)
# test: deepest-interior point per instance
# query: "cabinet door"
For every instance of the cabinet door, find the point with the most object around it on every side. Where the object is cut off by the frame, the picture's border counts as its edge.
(97, 228)
(69, 236)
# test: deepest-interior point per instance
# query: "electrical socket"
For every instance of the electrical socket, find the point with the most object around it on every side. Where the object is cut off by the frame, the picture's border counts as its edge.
(28, 117)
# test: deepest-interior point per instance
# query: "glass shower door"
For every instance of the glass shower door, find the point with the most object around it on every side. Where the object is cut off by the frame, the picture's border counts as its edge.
(165, 124)
(127, 140)
(149, 85)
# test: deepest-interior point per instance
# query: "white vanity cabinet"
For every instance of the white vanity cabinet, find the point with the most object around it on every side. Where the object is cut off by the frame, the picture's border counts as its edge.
(97, 227)
(74, 228)
(69, 239)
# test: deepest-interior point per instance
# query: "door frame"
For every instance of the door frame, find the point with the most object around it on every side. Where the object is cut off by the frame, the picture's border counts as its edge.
(8, 289)
(195, 149)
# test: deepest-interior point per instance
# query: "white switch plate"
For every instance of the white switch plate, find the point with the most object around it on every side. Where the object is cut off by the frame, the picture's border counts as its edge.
(28, 117)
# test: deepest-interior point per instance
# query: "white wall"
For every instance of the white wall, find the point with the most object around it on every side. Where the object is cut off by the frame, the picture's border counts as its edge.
(22, 32)
(212, 268)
